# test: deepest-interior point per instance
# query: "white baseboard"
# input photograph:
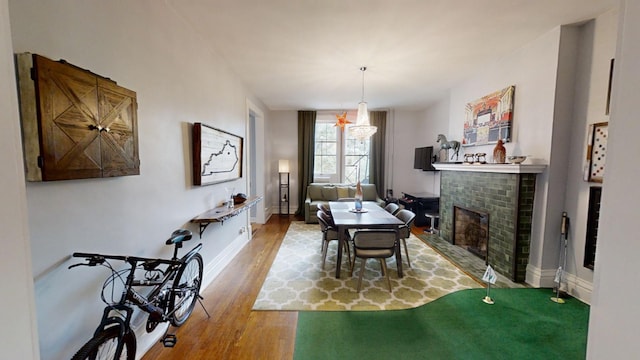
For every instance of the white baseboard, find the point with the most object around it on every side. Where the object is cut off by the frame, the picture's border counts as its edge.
(211, 271)
(577, 287)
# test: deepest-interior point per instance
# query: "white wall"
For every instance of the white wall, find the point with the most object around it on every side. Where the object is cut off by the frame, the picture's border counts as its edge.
(145, 47)
(614, 317)
(532, 69)
(595, 48)
(282, 134)
(407, 135)
(412, 129)
(19, 336)
(436, 121)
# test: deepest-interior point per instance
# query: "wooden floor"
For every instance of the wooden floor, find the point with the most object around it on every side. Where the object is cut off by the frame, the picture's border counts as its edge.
(234, 331)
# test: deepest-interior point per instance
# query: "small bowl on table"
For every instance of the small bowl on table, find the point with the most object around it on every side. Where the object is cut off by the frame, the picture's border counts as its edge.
(516, 159)
(239, 198)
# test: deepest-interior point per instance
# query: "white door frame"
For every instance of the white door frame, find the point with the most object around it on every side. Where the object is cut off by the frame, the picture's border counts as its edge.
(256, 165)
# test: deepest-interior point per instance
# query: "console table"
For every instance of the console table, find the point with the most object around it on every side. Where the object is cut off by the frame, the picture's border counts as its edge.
(422, 204)
(222, 213)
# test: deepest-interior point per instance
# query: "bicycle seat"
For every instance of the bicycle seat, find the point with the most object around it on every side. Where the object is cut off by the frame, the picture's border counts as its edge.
(179, 236)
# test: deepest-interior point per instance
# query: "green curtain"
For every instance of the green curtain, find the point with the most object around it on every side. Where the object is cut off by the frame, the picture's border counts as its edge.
(376, 165)
(306, 149)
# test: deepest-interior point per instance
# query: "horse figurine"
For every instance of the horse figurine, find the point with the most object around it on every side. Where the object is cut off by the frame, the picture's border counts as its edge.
(446, 145)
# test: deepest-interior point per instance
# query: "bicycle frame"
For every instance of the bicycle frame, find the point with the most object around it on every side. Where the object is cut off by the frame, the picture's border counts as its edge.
(131, 296)
(146, 303)
(174, 283)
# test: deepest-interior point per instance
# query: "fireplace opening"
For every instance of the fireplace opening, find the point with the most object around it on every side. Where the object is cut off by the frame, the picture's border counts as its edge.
(471, 230)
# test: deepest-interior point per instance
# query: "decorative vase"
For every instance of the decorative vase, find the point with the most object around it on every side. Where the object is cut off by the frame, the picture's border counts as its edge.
(358, 197)
(499, 153)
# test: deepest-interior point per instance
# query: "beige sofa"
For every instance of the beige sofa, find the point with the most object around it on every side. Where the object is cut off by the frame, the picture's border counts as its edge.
(318, 193)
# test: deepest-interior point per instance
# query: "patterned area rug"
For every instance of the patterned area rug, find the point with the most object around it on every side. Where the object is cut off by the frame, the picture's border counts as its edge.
(296, 280)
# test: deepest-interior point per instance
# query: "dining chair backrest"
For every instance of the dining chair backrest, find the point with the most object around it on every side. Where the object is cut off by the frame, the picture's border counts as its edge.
(325, 218)
(392, 208)
(407, 217)
(321, 220)
(347, 199)
(380, 239)
(374, 244)
(325, 208)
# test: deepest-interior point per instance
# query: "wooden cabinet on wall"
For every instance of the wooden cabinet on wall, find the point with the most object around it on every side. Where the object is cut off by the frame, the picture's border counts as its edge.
(75, 124)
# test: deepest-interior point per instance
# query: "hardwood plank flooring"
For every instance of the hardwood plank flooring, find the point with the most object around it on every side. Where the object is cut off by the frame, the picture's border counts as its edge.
(234, 331)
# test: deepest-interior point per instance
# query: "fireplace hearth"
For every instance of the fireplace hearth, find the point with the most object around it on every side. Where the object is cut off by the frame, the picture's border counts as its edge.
(471, 230)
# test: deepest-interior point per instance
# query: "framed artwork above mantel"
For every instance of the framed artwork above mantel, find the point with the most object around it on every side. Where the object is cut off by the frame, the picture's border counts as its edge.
(489, 118)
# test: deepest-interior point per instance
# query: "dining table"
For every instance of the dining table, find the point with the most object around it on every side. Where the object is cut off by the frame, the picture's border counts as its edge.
(371, 216)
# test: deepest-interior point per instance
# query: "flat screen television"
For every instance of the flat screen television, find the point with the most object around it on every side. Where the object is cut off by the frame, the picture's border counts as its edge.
(423, 159)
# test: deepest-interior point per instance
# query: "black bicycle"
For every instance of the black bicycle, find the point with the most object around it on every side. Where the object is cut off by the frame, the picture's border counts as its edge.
(175, 288)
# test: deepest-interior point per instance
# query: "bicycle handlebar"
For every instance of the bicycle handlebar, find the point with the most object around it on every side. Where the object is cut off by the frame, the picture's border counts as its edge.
(97, 259)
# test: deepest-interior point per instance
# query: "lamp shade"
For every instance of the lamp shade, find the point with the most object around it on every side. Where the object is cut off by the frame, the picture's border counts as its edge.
(283, 166)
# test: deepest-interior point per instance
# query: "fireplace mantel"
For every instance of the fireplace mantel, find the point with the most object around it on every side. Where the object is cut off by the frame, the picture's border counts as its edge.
(493, 168)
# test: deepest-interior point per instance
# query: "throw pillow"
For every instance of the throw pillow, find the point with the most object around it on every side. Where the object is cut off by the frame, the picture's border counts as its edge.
(343, 192)
(314, 192)
(329, 193)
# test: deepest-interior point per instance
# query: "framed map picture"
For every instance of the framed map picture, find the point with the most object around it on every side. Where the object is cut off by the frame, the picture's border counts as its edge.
(217, 155)
(489, 118)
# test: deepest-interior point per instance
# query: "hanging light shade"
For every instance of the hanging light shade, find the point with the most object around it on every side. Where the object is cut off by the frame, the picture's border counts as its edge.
(362, 130)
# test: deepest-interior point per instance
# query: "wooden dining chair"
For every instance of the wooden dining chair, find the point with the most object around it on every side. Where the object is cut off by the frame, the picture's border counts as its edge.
(407, 217)
(373, 244)
(330, 233)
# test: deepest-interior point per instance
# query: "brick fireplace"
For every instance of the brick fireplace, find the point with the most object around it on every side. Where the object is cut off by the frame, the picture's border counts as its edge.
(503, 193)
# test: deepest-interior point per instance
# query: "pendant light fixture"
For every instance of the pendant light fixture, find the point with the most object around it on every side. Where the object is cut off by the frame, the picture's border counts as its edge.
(362, 130)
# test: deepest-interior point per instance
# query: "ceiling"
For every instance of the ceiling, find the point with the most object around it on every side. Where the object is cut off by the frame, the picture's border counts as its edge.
(306, 54)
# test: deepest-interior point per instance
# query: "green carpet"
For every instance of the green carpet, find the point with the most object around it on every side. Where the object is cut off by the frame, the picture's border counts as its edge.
(522, 324)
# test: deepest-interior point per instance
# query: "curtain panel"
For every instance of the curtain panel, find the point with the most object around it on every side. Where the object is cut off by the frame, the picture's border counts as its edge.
(306, 150)
(377, 163)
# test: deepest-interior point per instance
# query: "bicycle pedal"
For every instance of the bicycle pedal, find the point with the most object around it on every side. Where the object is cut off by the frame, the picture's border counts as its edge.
(169, 340)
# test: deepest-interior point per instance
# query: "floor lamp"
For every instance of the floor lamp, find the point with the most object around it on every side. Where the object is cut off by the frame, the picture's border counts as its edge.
(283, 192)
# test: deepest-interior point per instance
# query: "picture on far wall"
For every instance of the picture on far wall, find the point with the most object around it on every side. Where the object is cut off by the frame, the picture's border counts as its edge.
(217, 155)
(489, 118)
(596, 151)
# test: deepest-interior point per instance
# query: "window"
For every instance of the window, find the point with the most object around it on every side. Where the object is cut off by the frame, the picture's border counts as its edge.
(338, 156)
(326, 150)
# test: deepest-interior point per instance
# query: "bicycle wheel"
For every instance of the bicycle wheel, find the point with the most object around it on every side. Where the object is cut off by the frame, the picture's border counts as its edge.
(103, 346)
(186, 289)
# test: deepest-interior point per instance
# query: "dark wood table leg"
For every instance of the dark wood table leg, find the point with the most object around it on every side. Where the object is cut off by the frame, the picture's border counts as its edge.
(341, 232)
(398, 255)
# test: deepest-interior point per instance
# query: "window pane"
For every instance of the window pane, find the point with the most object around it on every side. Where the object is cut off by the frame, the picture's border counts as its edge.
(331, 149)
(356, 160)
(325, 149)
(329, 165)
